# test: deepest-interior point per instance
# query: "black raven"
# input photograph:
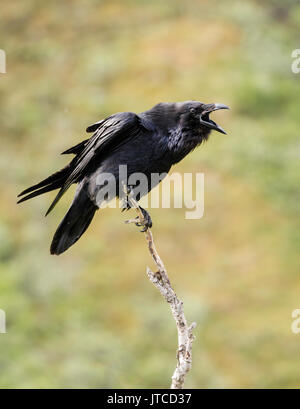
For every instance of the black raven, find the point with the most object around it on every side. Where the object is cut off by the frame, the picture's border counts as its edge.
(149, 142)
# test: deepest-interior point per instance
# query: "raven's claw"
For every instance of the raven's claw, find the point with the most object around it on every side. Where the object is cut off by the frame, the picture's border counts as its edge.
(146, 223)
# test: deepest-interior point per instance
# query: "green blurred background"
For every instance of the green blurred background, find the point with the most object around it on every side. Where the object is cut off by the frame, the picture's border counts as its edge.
(90, 318)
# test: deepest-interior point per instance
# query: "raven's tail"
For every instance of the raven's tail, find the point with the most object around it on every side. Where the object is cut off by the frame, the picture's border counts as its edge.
(52, 182)
(74, 224)
(55, 181)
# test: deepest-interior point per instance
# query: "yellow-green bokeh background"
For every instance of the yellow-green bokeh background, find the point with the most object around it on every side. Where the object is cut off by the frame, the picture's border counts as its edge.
(90, 318)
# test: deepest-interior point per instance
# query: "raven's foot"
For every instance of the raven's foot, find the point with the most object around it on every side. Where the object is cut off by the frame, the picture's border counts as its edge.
(146, 222)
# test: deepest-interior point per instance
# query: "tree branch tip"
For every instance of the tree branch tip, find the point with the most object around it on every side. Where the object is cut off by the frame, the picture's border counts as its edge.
(192, 326)
(149, 272)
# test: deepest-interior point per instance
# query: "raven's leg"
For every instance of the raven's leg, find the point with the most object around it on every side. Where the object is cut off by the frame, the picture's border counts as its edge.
(146, 223)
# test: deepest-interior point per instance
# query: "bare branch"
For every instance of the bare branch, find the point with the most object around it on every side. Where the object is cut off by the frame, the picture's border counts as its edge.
(162, 282)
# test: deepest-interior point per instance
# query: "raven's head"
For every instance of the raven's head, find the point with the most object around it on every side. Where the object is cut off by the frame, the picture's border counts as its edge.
(187, 124)
(195, 116)
(191, 116)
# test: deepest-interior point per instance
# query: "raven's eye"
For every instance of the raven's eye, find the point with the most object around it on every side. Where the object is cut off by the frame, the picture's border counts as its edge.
(192, 110)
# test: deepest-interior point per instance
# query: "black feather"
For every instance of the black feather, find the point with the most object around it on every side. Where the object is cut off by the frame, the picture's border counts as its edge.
(76, 149)
(61, 175)
(94, 127)
(49, 188)
(74, 224)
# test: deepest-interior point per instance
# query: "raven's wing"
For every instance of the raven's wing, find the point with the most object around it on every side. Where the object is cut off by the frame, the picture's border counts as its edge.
(95, 126)
(110, 134)
(76, 149)
(81, 145)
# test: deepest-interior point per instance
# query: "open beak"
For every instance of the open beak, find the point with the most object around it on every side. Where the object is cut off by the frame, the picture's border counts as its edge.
(209, 123)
